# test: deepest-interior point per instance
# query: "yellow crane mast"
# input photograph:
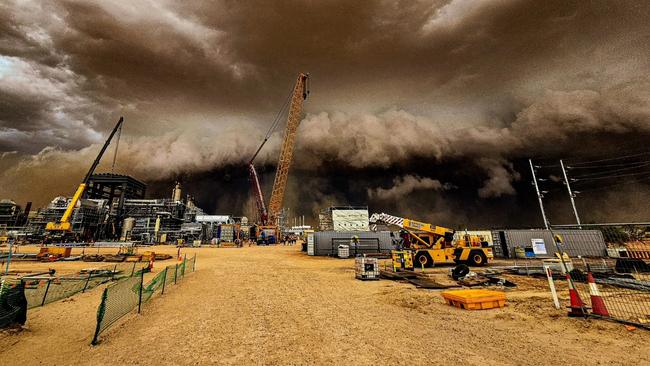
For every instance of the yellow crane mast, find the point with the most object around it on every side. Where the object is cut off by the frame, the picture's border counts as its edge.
(300, 92)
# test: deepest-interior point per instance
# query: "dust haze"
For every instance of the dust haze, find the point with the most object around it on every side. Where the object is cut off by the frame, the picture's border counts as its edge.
(422, 108)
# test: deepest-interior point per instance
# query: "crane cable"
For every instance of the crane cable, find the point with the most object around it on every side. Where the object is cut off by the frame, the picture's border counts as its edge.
(274, 125)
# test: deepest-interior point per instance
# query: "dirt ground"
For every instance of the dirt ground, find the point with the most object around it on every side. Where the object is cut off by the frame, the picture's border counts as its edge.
(275, 305)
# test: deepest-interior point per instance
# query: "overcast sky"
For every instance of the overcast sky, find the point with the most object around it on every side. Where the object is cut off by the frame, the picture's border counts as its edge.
(402, 88)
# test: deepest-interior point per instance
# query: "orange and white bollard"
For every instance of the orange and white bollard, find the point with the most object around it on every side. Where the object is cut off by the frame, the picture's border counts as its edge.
(597, 303)
(578, 308)
(151, 260)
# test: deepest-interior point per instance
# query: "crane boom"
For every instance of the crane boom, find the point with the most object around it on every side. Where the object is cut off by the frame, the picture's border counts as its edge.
(64, 222)
(259, 196)
(409, 224)
(300, 92)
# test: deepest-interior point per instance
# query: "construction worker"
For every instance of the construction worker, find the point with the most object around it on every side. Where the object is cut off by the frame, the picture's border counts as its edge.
(354, 243)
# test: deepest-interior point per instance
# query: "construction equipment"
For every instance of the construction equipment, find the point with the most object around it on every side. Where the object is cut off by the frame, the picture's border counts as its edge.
(53, 254)
(268, 219)
(402, 260)
(433, 244)
(63, 227)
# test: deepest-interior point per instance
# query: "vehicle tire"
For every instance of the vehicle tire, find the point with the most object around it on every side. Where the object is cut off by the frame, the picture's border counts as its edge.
(423, 258)
(477, 258)
(459, 271)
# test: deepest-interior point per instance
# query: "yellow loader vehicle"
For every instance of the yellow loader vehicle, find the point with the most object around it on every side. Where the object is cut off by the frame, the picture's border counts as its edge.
(435, 244)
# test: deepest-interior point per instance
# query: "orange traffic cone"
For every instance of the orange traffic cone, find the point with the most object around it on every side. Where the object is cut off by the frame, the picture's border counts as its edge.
(578, 308)
(151, 259)
(597, 303)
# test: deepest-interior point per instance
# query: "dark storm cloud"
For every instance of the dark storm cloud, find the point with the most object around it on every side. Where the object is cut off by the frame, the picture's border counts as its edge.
(478, 83)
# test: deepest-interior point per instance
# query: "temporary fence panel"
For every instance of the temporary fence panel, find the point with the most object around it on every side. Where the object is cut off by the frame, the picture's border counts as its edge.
(625, 296)
(130, 293)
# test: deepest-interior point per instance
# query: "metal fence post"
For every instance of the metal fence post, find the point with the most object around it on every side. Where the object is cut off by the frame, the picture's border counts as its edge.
(141, 286)
(194, 264)
(164, 282)
(8, 258)
(184, 264)
(133, 270)
(47, 289)
(114, 272)
(86, 285)
(100, 316)
(175, 273)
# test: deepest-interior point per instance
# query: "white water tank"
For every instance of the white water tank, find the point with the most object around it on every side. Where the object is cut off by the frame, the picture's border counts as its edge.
(127, 227)
(176, 194)
(344, 251)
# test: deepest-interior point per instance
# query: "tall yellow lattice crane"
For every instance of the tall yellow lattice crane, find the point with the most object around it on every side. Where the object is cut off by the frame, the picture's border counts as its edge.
(300, 92)
(269, 218)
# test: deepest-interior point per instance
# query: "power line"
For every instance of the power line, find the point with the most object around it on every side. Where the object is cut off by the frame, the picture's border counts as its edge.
(608, 165)
(612, 171)
(612, 159)
(611, 176)
(616, 184)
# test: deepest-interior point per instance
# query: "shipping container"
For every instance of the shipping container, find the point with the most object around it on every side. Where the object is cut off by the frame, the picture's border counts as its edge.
(327, 242)
(539, 243)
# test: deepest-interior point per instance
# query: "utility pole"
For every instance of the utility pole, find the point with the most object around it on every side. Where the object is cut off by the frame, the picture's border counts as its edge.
(571, 194)
(539, 195)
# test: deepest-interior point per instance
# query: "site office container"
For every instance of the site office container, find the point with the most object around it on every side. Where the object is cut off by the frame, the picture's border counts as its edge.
(327, 242)
(586, 243)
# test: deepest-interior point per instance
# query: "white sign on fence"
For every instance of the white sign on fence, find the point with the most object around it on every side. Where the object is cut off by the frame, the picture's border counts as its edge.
(538, 246)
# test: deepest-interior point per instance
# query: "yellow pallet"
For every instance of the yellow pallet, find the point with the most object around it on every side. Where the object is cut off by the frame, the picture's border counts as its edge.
(475, 299)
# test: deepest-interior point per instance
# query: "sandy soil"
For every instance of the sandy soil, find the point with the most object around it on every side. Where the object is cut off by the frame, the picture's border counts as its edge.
(275, 305)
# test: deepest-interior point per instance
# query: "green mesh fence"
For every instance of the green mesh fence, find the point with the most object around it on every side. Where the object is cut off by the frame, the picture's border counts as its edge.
(154, 285)
(44, 291)
(172, 272)
(130, 293)
(118, 300)
(13, 305)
